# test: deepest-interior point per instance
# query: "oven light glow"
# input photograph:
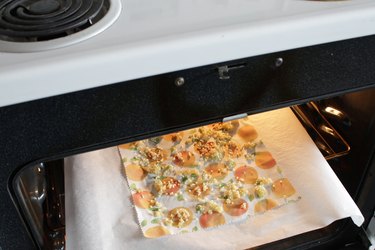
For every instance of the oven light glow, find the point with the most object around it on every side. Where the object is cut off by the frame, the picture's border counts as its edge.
(333, 111)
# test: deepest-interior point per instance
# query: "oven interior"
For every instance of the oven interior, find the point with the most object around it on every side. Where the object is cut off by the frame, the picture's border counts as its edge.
(342, 128)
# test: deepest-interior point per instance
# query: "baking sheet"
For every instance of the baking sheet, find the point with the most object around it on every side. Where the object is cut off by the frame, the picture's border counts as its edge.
(239, 173)
(99, 212)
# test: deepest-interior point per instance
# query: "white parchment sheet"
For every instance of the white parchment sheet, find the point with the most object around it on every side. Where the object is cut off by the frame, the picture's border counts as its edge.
(99, 212)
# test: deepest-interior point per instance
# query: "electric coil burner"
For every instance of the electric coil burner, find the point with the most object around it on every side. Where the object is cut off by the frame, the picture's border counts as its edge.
(45, 19)
(55, 22)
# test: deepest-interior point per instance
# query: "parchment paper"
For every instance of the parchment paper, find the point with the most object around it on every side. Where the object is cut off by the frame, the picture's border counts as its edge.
(99, 212)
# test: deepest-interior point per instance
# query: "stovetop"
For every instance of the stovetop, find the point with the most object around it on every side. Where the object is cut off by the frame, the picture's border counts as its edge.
(159, 36)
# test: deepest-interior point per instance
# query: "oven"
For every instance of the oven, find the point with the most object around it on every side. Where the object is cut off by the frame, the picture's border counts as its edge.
(120, 71)
(329, 84)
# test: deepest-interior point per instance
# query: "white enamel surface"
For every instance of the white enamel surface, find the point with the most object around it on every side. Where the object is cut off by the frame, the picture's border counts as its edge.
(158, 36)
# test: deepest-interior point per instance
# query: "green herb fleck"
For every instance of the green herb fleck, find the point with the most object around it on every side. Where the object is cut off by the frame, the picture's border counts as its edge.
(184, 231)
(180, 197)
(133, 187)
(231, 164)
(194, 176)
(124, 160)
(155, 140)
(173, 150)
(154, 208)
(184, 179)
(155, 221)
(195, 229)
(144, 223)
(222, 185)
(279, 170)
(134, 159)
(199, 208)
(251, 197)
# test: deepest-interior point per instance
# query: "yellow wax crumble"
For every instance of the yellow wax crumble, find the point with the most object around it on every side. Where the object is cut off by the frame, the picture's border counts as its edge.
(155, 168)
(167, 221)
(234, 150)
(263, 181)
(188, 172)
(153, 154)
(231, 164)
(179, 216)
(226, 126)
(151, 160)
(233, 191)
(260, 191)
(197, 188)
(205, 134)
(159, 186)
(208, 207)
(207, 178)
(243, 205)
(208, 150)
(249, 145)
(163, 185)
(157, 213)
(250, 157)
(178, 157)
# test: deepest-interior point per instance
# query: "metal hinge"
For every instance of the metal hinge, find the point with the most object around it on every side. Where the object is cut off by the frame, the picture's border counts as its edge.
(234, 117)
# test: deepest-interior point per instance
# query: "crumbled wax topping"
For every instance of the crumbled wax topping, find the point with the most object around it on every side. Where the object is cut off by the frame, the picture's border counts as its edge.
(197, 189)
(208, 142)
(167, 221)
(153, 154)
(249, 145)
(151, 160)
(225, 126)
(205, 134)
(260, 191)
(233, 191)
(207, 150)
(163, 185)
(179, 217)
(207, 178)
(243, 205)
(157, 213)
(233, 149)
(250, 157)
(208, 207)
(263, 181)
(178, 157)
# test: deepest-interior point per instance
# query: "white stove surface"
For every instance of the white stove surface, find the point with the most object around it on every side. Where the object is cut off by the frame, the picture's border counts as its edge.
(158, 36)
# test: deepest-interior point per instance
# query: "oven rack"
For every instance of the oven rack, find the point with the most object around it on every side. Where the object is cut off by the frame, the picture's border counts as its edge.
(328, 140)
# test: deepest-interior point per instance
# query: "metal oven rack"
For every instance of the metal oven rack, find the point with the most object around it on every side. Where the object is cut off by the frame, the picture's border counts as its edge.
(330, 143)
